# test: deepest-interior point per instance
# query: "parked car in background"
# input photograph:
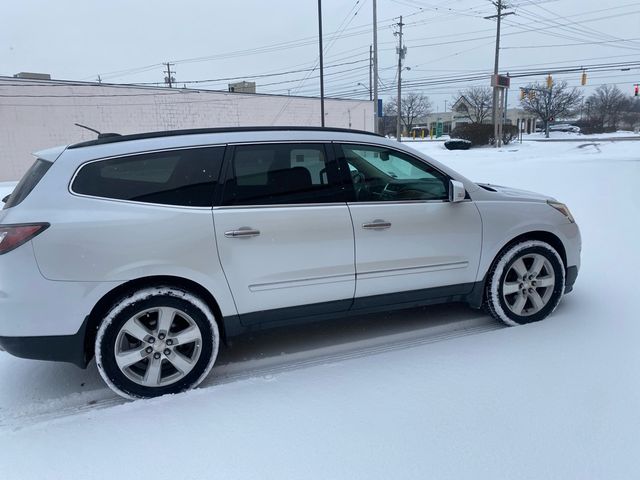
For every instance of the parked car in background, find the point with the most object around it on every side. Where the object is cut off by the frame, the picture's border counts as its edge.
(148, 251)
(564, 127)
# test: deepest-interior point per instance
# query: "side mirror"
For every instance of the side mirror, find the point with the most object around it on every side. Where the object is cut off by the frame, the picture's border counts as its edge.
(457, 193)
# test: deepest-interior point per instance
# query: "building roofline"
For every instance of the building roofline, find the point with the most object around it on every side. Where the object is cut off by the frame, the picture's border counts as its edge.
(79, 83)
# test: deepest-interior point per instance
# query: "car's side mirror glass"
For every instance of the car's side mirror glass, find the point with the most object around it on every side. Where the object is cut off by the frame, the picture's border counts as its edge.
(457, 193)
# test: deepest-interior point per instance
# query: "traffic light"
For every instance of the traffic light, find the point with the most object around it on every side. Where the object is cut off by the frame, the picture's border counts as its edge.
(636, 91)
(583, 81)
(549, 81)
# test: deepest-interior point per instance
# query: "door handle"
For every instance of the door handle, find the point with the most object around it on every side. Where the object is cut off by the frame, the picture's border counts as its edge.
(377, 225)
(242, 232)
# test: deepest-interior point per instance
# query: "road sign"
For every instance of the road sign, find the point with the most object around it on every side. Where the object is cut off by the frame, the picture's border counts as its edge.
(501, 81)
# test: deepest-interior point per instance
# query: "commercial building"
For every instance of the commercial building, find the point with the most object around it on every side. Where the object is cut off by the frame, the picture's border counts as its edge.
(463, 112)
(37, 113)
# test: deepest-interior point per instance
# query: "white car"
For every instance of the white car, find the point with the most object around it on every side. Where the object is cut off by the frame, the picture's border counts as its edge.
(564, 127)
(147, 251)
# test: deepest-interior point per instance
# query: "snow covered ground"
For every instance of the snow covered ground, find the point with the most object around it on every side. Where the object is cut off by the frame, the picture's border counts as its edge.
(442, 392)
(553, 136)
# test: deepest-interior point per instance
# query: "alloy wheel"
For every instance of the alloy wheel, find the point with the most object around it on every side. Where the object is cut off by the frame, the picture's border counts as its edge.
(528, 285)
(158, 346)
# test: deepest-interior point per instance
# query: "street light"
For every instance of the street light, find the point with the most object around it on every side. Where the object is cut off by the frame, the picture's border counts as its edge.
(368, 89)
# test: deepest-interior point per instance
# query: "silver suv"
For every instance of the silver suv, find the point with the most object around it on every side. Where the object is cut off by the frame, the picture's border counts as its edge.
(149, 250)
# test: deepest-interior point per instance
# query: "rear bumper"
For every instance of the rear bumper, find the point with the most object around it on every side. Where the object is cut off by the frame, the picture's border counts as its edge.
(58, 348)
(32, 306)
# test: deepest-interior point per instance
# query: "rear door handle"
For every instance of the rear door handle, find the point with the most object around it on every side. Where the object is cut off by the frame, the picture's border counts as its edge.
(377, 225)
(242, 232)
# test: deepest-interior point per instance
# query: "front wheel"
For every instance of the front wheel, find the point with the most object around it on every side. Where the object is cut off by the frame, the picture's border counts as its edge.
(156, 341)
(526, 283)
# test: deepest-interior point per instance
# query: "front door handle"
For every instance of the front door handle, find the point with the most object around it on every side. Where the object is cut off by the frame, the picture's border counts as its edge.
(242, 232)
(377, 225)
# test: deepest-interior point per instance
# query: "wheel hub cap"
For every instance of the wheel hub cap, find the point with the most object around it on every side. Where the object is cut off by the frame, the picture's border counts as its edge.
(528, 284)
(158, 347)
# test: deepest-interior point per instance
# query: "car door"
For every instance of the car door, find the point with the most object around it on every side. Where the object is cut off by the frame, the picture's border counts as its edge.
(412, 244)
(284, 232)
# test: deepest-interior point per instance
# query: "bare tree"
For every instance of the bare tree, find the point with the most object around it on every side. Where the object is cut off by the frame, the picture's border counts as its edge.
(631, 115)
(389, 118)
(477, 107)
(414, 106)
(551, 103)
(606, 106)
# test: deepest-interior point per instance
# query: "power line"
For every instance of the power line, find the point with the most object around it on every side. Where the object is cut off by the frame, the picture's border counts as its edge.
(562, 44)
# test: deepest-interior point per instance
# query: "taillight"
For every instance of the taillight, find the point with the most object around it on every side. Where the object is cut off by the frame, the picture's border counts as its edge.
(12, 236)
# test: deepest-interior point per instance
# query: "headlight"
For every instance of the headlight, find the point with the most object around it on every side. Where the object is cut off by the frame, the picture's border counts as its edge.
(562, 208)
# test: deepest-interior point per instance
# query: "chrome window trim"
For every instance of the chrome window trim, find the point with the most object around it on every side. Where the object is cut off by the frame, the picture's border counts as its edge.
(131, 154)
(257, 142)
(393, 202)
(333, 204)
(281, 205)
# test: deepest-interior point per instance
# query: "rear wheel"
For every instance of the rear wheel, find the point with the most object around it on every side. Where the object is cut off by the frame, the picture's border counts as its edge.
(156, 341)
(526, 283)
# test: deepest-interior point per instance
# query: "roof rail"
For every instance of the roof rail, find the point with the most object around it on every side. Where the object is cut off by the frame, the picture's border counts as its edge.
(200, 131)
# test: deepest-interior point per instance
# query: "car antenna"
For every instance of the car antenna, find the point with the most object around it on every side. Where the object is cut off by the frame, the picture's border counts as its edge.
(100, 135)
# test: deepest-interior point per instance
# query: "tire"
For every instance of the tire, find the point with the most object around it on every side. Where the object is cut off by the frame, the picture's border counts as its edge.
(525, 284)
(156, 341)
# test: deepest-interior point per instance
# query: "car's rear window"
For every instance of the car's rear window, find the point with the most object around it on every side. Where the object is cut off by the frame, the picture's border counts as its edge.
(28, 182)
(185, 177)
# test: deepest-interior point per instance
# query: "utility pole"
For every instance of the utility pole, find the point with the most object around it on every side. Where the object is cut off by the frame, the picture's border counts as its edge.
(169, 79)
(495, 117)
(370, 70)
(506, 104)
(376, 114)
(401, 53)
(321, 63)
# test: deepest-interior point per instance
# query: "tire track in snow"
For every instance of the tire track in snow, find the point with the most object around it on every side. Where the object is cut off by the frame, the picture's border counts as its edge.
(86, 402)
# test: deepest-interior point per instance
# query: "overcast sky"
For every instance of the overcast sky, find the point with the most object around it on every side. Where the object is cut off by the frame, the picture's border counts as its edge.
(127, 41)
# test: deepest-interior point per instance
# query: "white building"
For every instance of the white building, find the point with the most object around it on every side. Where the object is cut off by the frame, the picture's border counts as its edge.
(37, 114)
(459, 115)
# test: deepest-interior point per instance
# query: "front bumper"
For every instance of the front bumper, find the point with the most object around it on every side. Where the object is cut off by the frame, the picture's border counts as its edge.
(570, 278)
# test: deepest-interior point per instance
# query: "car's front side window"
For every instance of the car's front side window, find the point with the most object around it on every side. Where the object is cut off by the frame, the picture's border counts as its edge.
(277, 174)
(382, 174)
(185, 177)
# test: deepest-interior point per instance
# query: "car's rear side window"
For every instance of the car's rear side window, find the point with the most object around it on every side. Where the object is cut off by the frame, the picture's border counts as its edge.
(28, 182)
(276, 174)
(184, 177)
